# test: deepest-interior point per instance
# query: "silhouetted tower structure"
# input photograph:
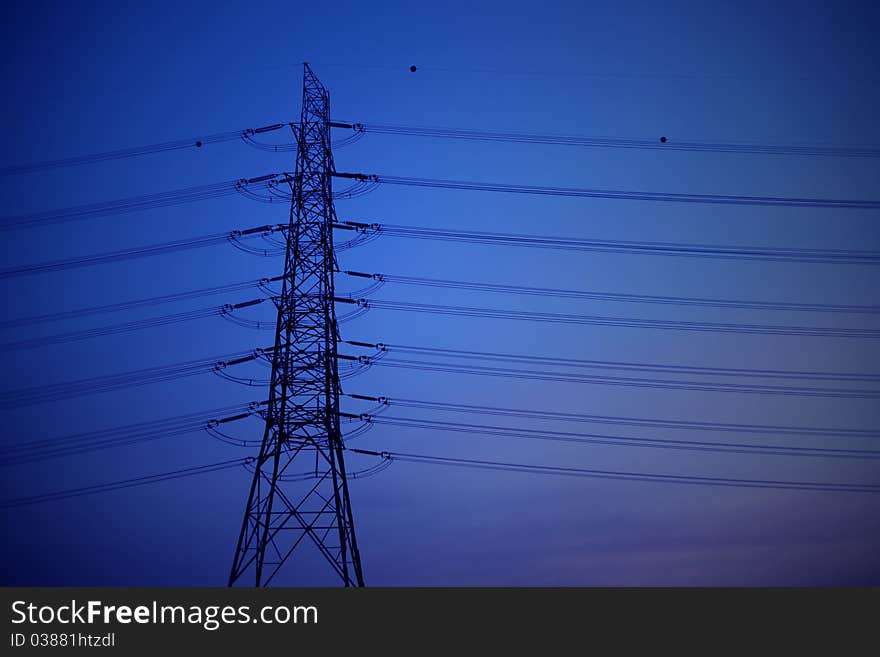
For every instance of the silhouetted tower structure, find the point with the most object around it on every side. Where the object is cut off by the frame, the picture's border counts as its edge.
(287, 513)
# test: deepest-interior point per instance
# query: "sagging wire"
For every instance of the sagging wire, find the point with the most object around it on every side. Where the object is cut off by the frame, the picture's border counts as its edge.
(211, 426)
(354, 371)
(374, 470)
(214, 432)
(247, 136)
(366, 419)
(274, 241)
(360, 364)
(276, 188)
(360, 431)
(221, 366)
(361, 311)
(226, 312)
(357, 189)
(305, 476)
(365, 237)
(348, 141)
(370, 289)
(235, 239)
(249, 187)
(251, 383)
(263, 286)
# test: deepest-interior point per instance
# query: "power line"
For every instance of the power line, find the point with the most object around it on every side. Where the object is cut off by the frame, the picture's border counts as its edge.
(262, 284)
(248, 136)
(268, 188)
(109, 382)
(120, 206)
(640, 382)
(139, 252)
(622, 441)
(624, 476)
(226, 311)
(825, 256)
(245, 135)
(617, 142)
(247, 462)
(598, 320)
(565, 71)
(137, 303)
(124, 483)
(610, 296)
(630, 366)
(653, 423)
(125, 327)
(248, 187)
(717, 199)
(90, 441)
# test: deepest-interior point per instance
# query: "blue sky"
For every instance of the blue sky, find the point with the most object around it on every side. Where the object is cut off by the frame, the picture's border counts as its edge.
(99, 76)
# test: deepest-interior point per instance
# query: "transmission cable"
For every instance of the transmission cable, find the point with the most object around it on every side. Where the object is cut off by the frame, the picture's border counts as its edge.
(717, 199)
(629, 366)
(139, 252)
(90, 441)
(167, 476)
(715, 251)
(609, 296)
(109, 382)
(641, 382)
(268, 188)
(245, 135)
(248, 136)
(138, 303)
(619, 475)
(663, 143)
(120, 206)
(598, 320)
(126, 327)
(653, 423)
(124, 483)
(622, 441)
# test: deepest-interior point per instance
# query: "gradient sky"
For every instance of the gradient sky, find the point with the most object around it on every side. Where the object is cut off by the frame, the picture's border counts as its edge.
(88, 77)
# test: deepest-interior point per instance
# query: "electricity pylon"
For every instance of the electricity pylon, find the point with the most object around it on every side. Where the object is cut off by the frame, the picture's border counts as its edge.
(299, 494)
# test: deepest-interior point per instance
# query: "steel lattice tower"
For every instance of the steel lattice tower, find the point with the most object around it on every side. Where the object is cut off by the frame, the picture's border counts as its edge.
(285, 512)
